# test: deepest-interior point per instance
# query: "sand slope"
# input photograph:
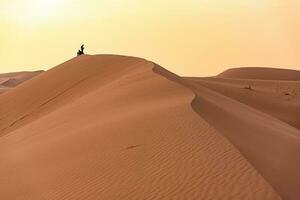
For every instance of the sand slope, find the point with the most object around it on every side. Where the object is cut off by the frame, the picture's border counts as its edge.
(108, 127)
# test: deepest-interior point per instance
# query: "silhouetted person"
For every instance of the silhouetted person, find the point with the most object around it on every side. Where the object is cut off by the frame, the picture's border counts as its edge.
(81, 51)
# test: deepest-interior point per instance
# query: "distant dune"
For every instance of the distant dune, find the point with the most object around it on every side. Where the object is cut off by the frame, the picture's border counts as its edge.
(10, 80)
(261, 74)
(116, 127)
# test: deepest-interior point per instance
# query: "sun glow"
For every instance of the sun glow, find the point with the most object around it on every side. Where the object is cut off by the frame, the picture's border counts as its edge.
(34, 11)
(190, 37)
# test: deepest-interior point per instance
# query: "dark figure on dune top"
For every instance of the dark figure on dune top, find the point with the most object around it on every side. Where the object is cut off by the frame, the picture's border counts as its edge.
(80, 52)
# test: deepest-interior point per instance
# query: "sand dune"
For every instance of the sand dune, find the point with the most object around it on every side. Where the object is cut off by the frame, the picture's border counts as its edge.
(10, 80)
(113, 127)
(261, 74)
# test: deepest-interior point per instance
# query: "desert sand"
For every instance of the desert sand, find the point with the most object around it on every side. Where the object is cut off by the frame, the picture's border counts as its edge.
(116, 127)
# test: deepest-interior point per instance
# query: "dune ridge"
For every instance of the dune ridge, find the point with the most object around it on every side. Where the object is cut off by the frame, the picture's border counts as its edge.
(109, 127)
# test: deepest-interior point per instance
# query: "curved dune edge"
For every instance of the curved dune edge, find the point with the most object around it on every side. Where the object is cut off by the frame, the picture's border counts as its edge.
(280, 99)
(271, 145)
(123, 133)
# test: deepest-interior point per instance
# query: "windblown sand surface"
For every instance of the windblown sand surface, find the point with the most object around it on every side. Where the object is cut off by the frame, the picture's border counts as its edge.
(10, 80)
(261, 118)
(113, 127)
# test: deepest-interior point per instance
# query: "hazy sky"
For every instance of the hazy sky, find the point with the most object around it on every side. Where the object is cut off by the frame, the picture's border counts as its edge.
(188, 37)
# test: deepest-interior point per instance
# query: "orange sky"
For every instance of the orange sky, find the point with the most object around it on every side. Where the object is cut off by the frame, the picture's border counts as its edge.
(191, 37)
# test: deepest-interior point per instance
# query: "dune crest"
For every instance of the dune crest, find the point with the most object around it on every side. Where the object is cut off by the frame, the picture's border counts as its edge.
(109, 127)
